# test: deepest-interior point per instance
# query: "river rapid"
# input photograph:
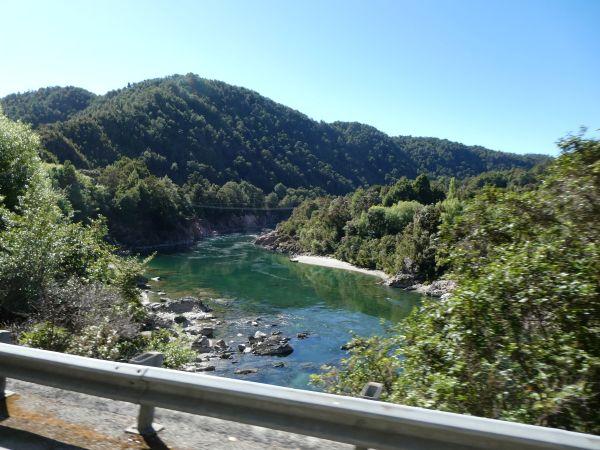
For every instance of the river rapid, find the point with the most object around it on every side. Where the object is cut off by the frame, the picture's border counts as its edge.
(244, 284)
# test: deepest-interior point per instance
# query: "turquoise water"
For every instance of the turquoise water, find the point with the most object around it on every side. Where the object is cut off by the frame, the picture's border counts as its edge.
(244, 283)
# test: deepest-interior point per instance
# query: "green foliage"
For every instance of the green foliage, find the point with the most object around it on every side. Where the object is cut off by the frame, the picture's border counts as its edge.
(176, 347)
(39, 244)
(357, 228)
(369, 359)
(18, 161)
(185, 124)
(519, 338)
(46, 105)
(99, 341)
(46, 336)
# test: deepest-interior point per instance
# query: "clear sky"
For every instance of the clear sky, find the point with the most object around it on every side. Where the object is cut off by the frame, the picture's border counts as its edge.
(509, 75)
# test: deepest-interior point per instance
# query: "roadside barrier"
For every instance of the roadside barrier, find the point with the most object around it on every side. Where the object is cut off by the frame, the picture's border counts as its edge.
(357, 421)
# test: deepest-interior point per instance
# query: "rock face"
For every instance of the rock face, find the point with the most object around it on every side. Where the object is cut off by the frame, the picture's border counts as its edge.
(437, 288)
(401, 280)
(273, 241)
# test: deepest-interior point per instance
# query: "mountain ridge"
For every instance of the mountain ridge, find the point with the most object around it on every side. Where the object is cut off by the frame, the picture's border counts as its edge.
(183, 125)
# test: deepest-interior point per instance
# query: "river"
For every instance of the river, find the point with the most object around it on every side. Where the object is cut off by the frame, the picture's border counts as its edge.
(244, 283)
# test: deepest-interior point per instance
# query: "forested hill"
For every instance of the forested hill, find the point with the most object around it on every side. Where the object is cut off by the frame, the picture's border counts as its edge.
(185, 125)
(47, 105)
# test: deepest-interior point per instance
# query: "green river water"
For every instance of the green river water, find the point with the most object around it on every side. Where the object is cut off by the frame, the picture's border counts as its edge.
(243, 283)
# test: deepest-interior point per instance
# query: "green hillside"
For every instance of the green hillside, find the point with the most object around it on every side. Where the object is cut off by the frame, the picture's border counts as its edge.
(186, 125)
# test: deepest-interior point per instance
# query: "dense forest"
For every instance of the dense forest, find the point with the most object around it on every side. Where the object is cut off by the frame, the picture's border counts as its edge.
(62, 286)
(180, 156)
(518, 339)
(186, 126)
(394, 228)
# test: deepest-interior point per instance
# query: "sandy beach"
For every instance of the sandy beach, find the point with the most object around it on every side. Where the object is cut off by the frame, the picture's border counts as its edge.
(326, 261)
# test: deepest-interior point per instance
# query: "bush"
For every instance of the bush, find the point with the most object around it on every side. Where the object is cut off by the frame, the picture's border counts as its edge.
(47, 337)
(175, 347)
(97, 341)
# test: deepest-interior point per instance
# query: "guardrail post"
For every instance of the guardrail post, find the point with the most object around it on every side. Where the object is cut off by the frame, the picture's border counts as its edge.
(145, 422)
(5, 338)
(371, 391)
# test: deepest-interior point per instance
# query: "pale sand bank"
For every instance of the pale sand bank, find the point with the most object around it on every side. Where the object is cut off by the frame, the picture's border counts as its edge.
(326, 261)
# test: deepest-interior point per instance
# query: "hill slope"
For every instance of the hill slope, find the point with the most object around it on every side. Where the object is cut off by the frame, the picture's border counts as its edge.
(183, 125)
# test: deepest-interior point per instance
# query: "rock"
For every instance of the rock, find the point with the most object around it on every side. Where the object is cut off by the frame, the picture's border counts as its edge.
(259, 335)
(302, 335)
(200, 330)
(248, 350)
(349, 345)
(245, 371)
(207, 331)
(239, 335)
(155, 278)
(184, 305)
(272, 347)
(268, 240)
(180, 319)
(279, 364)
(199, 316)
(161, 293)
(201, 345)
(275, 333)
(220, 345)
(241, 347)
(445, 296)
(401, 280)
(437, 288)
(205, 368)
(226, 355)
(273, 325)
(146, 334)
(254, 324)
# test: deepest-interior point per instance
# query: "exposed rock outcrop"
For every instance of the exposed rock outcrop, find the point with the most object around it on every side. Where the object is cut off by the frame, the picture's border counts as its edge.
(272, 240)
(437, 288)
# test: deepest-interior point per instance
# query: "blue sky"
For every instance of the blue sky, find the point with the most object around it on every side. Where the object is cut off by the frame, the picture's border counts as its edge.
(509, 75)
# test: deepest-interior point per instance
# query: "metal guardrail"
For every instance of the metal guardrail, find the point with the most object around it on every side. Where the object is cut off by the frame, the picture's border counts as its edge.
(356, 421)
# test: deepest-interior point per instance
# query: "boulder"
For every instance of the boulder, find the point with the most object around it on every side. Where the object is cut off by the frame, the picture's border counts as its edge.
(220, 346)
(245, 371)
(180, 319)
(201, 345)
(205, 368)
(272, 347)
(302, 335)
(241, 347)
(259, 335)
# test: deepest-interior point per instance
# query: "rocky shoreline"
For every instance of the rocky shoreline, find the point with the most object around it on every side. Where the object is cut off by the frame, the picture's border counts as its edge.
(272, 241)
(196, 319)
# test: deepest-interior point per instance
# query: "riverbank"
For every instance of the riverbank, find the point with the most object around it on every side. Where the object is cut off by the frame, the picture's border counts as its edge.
(327, 261)
(270, 240)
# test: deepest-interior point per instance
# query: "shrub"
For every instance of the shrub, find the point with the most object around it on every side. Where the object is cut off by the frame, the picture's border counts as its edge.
(46, 336)
(175, 347)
